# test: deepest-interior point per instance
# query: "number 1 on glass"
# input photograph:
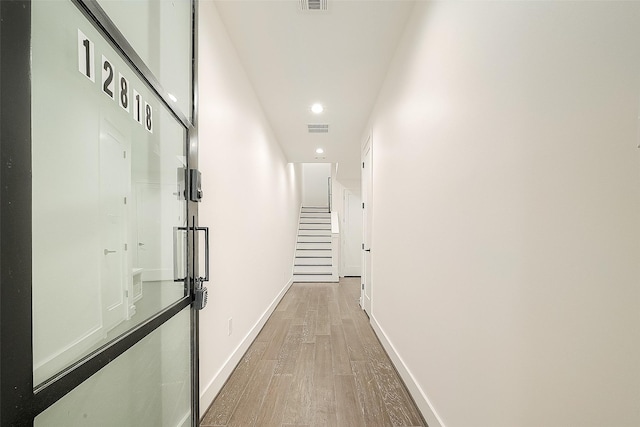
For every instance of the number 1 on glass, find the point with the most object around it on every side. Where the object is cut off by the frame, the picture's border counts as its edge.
(137, 107)
(86, 63)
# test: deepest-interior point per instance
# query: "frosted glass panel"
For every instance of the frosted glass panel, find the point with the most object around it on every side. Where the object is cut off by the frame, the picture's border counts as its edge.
(108, 192)
(160, 33)
(148, 385)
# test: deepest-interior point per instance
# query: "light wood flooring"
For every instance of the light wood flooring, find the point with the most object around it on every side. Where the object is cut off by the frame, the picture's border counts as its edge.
(316, 362)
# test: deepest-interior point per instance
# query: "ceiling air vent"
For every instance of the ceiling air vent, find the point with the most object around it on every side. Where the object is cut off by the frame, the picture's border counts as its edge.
(313, 128)
(313, 5)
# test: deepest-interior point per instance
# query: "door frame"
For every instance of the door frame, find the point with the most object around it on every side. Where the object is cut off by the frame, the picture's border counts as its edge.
(21, 403)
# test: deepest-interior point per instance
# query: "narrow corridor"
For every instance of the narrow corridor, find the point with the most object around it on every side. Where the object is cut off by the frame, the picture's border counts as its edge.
(316, 362)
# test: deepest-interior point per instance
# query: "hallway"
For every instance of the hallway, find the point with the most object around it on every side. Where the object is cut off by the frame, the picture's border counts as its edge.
(317, 361)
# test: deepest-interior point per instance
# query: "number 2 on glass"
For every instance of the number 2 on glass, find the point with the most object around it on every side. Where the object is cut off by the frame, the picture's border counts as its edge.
(107, 77)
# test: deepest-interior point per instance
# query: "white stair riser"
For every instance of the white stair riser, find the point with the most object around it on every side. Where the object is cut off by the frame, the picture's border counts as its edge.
(314, 209)
(327, 278)
(313, 253)
(326, 233)
(315, 226)
(312, 239)
(313, 246)
(312, 261)
(315, 220)
(312, 269)
(315, 215)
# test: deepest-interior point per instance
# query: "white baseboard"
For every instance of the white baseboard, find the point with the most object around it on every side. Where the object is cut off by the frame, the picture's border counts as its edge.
(419, 396)
(185, 421)
(211, 390)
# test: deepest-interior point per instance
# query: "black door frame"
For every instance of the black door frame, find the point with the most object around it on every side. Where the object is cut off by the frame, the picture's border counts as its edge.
(20, 403)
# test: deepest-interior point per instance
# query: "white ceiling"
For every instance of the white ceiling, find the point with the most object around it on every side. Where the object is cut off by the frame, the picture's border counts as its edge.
(338, 58)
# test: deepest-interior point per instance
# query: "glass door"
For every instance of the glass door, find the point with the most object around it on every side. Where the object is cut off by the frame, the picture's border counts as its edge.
(99, 299)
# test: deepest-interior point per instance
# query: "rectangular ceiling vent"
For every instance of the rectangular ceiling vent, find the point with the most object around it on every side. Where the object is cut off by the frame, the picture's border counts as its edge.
(313, 5)
(314, 128)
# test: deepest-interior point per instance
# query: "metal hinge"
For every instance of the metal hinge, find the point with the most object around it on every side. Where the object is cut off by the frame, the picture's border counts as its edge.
(362, 165)
(125, 200)
(363, 206)
(363, 246)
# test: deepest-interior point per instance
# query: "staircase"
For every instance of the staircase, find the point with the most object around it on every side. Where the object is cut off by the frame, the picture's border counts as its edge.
(313, 261)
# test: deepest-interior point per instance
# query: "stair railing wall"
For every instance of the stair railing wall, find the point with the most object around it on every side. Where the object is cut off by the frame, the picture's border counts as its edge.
(329, 189)
(335, 247)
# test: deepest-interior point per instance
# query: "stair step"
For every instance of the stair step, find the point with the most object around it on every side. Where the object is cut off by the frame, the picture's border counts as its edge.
(313, 278)
(315, 208)
(315, 226)
(315, 220)
(313, 245)
(325, 233)
(312, 261)
(315, 215)
(314, 239)
(313, 252)
(312, 269)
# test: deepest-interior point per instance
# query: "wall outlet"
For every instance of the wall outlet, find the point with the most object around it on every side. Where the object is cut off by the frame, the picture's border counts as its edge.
(230, 326)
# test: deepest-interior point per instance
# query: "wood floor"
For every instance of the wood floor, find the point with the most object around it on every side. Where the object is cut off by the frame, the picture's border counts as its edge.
(317, 362)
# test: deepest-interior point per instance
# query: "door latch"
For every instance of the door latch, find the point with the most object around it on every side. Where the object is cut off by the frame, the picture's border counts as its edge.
(195, 190)
(200, 295)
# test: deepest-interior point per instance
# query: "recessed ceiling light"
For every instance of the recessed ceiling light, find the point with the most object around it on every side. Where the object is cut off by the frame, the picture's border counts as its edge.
(319, 150)
(317, 108)
(172, 97)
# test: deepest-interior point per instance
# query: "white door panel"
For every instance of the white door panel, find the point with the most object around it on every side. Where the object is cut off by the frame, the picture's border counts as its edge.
(367, 178)
(114, 172)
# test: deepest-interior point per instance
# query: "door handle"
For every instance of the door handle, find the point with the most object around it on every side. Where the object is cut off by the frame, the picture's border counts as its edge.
(140, 244)
(367, 250)
(107, 252)
(179, 251)
(206, 253)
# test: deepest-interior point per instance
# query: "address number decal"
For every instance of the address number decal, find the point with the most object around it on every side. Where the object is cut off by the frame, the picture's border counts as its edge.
(123, 86)
(137, 106)
(108, 84)
(86, 63)
(115, 85)
(148, 118)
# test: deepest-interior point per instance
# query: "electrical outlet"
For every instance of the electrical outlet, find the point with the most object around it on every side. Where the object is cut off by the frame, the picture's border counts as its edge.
(230, 326)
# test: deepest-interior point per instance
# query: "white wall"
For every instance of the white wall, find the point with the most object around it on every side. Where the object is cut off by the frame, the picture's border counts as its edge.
(315, 191)
(506, 209)
(251, 204)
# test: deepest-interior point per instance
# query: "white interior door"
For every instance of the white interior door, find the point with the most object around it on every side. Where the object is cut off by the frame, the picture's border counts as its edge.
(352, 257)
(114, 172)
(158, 211)
(366, 221)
